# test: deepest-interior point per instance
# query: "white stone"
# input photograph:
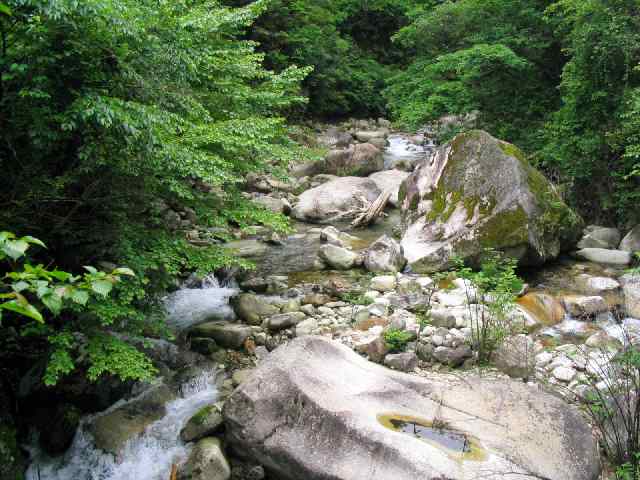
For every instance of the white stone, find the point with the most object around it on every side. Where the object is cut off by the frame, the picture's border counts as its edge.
(543, 359)
(383, 283)
(601, 255)
(306, 327)
(564, 374)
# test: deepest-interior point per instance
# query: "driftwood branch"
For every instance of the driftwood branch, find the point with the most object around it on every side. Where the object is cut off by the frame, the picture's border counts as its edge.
(374, 210)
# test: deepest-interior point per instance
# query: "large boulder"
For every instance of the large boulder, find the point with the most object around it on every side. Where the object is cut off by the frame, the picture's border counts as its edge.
(284, 321)
(226, 334)
(368, 136)
(358, 160)
(384, 255)
(203, 424)
(316, 410)
(600, 237)
(631, 289)
(335, 138)
(478, 192)
(516, 356)
(335, 199)
(606, 256)
(390, 180)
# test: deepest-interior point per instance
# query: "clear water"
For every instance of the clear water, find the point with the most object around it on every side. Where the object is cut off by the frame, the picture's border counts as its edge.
(148, 457)
(454, 441)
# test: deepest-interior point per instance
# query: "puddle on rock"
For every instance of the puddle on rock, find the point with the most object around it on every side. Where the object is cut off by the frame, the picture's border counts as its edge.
(456, 445)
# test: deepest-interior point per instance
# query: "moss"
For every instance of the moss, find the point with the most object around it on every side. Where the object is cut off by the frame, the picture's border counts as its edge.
(201, 417)
(414, 203)
(444, 204)
(470, 203)
(557, 221)
(402, 193)
(507, 229)
(513, 151)
(461, 139)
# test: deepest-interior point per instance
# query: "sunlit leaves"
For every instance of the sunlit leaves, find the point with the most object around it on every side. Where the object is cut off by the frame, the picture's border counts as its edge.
(25, 288)
(13, 247)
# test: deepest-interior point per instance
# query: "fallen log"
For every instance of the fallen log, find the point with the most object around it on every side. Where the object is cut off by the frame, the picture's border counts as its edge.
(373, 211)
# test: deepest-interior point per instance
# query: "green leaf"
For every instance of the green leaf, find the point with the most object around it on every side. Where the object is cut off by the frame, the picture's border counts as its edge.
(20, 286)
(15, 248)
(60, 275)
(4, 9)
(4, 236)
(23, 308)
(53, 303)
(80, 297)
(102, 287)
(124, 271)
(43, 289)
(35, 241)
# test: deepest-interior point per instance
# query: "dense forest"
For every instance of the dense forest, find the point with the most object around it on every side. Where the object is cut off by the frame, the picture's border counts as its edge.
(115, 114)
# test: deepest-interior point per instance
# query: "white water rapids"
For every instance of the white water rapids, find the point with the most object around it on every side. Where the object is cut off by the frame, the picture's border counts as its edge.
(191, 306)
(401, 152)
(148, 457)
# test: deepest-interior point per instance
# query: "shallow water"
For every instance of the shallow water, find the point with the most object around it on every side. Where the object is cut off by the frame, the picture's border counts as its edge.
(454, 443)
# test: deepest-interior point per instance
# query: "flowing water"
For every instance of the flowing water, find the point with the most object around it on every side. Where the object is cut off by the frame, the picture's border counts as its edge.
(148, 457)
(191, 306)
(403, 154)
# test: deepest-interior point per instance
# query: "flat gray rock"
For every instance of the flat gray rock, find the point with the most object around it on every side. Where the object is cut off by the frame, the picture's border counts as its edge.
(314, 410)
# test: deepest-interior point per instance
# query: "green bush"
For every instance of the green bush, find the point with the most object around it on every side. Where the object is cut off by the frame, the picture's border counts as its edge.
(356, 298)
(396, 340)
(28, 293)
(491, 294)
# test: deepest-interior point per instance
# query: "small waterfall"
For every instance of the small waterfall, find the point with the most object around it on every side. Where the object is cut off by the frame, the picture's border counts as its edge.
(148, 457)
(402, 153)
(191, 306)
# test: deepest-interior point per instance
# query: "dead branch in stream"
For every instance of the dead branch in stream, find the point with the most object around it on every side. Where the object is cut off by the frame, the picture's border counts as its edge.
(375, 209)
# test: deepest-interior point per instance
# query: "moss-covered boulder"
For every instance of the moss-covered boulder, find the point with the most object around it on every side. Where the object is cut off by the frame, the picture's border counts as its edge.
(478, 192)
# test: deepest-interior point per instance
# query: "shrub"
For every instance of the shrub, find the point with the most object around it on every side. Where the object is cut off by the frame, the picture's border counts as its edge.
(396, 339)
(491, 292)
(611, 396)
(29, 294)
